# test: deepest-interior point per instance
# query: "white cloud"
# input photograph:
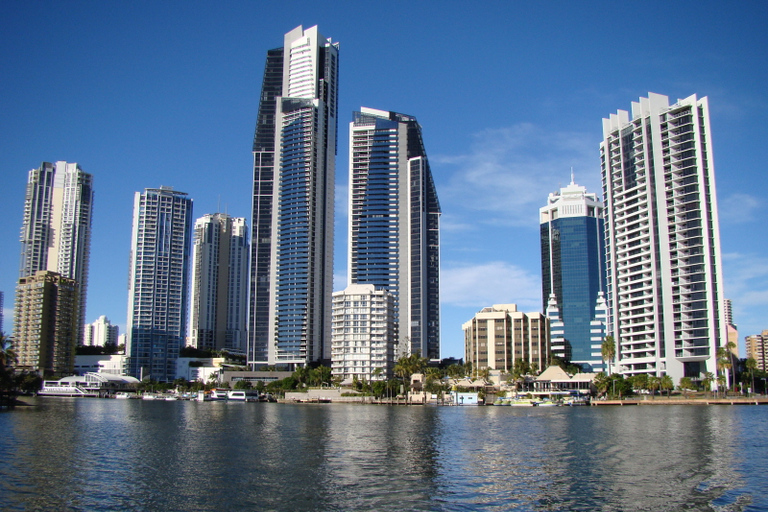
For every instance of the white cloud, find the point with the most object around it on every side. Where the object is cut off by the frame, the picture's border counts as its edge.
(509, 172)
(746, 284)
(485, 284)
(739, 208)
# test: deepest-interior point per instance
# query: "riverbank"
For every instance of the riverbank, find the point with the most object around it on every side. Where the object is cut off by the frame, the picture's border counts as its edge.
(684, 401)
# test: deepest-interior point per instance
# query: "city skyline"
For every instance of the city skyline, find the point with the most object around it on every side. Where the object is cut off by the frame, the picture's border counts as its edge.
(179, 111)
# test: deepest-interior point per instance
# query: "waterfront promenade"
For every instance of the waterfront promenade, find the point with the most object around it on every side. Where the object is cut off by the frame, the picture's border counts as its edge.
(645, 400)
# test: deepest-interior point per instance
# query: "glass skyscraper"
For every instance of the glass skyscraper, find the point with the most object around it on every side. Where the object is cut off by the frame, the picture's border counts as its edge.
(572, 268)
(394, 223)
(157, 294)
(294, 152)
(664, 270)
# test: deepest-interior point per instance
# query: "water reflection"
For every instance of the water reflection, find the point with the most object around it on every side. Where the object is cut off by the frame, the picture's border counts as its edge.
(93, 454)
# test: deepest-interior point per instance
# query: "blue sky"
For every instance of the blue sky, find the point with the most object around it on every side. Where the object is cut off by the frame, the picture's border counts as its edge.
(510, 96)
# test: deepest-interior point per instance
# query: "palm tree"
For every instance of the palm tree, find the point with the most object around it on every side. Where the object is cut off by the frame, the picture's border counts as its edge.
(7, 360)
(666, 384)
(608, 350)
(686, 384)
(706, 382)
(654, 383)
(752, 366)
(408, 365)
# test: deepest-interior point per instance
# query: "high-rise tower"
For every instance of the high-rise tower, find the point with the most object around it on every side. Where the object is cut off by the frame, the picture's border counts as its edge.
(219, 283)
(664, 271)
(394, 223)
(294, 151)
(157, 294)
(572, 269)
(56, 230)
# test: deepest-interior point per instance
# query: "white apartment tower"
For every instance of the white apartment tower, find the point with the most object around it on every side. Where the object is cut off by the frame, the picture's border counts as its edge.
(56, 229)
(219, 283)
(294, 151)
(157, 294)
(664, 271)
(101, 333)
(363, 333)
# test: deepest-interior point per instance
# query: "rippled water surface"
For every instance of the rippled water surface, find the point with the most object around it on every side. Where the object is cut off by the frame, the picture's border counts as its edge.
(92, 454)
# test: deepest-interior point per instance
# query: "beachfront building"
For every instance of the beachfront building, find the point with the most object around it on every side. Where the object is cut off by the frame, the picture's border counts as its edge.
(664, 270)
(573, 275)
(294, 155)
(363, 342)
(499, 335)
(394, 223)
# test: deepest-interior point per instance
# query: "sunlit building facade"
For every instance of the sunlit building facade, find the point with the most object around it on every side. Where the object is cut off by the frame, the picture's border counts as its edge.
(757, 349)
(499, 335)
(294, 152)
(157, 294)
(394, 223)
(573, 275)
(56, 227)
(664, 270)
(101, 333)
(363, 338)
(46, 324)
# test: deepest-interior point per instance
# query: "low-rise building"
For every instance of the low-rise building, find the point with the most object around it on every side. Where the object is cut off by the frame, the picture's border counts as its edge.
(364, 335)
(757, 349)
(499, 335)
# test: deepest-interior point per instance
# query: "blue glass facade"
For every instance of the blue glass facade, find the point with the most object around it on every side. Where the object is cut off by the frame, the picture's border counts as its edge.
(575, 248)
(394, 223)
(573, 275)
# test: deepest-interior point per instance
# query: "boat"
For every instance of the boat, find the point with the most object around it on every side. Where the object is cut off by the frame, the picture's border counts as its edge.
(548, 403)
(522, 402)
(124, 395)
(237, 395)
(219, 395)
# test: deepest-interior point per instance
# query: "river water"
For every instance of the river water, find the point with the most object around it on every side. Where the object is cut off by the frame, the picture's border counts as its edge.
(94, 454)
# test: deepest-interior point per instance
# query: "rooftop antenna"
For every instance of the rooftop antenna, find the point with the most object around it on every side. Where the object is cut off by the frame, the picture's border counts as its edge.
(572, 183)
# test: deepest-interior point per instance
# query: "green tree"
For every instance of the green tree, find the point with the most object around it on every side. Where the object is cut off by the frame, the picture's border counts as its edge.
(602, 383)
(639, 381)
(608, 351)
(243, 384)
(686, 385)
(707, 381)
(751, 365)
(721, 383)
(7, 363)
(520, 369)
(406, 366)
(654, 383)
(666, 384)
